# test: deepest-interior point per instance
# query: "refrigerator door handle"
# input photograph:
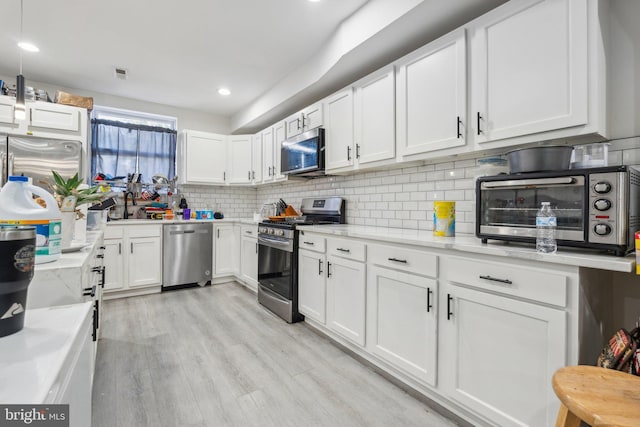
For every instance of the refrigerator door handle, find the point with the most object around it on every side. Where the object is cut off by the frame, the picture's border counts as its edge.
(10, 165)
(3, 175)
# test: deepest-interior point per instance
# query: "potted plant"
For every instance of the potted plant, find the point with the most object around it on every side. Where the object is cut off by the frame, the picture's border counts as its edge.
(73, 210)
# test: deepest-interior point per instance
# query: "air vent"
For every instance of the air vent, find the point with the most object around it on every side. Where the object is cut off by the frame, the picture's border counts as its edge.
(120, 73)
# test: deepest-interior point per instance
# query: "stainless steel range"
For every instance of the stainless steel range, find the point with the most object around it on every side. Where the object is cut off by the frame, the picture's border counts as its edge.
(278, 254)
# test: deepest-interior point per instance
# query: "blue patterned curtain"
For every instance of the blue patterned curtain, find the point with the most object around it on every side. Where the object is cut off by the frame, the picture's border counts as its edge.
(119, 149)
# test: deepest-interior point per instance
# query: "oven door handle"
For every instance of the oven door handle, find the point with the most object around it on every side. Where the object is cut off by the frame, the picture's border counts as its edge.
(274, 243)
(526, 182)
(272, 295)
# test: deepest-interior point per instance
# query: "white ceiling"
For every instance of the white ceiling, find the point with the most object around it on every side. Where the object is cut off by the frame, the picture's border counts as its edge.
(180, 52)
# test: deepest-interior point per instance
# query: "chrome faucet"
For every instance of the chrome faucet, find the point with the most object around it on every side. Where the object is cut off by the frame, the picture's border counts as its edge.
(125, 215)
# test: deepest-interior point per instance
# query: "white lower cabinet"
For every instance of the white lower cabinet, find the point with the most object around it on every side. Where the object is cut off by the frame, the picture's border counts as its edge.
(346, 290)
(226, 250)
(312, 285)
(402, 322)
(249, 258)
(133, 257)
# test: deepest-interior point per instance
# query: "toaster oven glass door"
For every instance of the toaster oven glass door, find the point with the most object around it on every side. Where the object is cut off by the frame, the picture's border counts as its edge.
(509, 207)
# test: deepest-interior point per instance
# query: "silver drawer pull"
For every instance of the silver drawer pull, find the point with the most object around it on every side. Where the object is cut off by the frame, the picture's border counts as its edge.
(404, 261)
(493, 279)
(309, 243)
(343, 250)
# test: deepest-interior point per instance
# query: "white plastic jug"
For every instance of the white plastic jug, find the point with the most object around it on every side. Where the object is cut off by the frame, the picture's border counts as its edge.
(18, 207)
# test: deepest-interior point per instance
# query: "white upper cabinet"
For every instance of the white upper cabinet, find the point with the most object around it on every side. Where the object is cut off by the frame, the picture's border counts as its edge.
(529, 70)
(279, 135)
(203, 158)
(53, 116)
(256, 158)
(307, 119)
(240, 166)
(7, 114)
(431, 96)
(339, 151)
(375, 116)
(267, 155)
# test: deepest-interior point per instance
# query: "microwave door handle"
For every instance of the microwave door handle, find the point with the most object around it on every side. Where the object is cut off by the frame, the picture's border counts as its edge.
(526, 182)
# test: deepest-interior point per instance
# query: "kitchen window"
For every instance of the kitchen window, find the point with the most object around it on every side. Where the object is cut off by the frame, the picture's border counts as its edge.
(125, 142)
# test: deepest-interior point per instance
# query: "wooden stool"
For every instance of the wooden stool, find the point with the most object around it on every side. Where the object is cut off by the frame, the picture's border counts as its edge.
(597, 396)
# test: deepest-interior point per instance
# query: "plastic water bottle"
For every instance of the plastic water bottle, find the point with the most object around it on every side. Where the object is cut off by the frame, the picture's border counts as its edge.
(546, 224)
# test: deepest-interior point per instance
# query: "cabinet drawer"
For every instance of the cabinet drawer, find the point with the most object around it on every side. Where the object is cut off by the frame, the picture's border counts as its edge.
(408, 260)
(312, 242)
(509, 279)
(144, 231)
(249, 230)
(114, 232)
(350, 249)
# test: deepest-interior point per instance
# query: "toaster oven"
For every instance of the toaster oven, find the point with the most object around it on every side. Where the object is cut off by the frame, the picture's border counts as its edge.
(595, 208)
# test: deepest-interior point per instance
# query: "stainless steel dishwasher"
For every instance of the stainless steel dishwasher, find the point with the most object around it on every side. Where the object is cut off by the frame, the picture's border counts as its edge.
(187, 254)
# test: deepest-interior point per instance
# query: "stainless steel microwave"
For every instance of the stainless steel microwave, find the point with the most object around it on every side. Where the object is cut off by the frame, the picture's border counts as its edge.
(595, 208)
(303, 155)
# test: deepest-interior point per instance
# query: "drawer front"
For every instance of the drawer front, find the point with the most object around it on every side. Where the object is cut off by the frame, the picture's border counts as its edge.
(312, 242)
(350, 249)
(403, 259)
(509, 279)
(154, 230)
(249, 230)
(114, 232)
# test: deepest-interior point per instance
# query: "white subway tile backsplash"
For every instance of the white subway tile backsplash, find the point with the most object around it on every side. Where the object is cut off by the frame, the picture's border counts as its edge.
(443, 166)
(631, 157)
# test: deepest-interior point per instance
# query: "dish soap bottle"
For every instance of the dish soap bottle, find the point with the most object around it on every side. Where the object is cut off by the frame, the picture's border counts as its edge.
(546, 224)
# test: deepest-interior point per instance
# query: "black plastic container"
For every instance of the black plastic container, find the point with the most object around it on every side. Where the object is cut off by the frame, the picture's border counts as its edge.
(17, 262)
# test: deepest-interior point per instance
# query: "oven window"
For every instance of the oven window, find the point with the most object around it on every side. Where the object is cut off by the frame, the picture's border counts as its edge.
(275, 270)
(517, 207)
(300, 156)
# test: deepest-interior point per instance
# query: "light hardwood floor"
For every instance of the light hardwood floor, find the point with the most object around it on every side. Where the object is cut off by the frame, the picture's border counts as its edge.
(213, 356)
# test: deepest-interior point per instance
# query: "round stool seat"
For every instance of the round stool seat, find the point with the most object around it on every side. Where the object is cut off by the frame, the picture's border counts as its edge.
(597, 396)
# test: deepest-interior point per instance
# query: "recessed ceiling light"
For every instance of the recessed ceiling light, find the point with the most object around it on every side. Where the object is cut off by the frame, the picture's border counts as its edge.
(224, 91)
(28, 47)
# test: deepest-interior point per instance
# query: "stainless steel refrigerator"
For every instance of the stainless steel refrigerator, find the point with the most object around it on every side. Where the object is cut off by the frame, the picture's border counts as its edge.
(37, 157)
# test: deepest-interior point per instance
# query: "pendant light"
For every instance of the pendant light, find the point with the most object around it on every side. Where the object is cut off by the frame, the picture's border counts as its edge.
(20, 110)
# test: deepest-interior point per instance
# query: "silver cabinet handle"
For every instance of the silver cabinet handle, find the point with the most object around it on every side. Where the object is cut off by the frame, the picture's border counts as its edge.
(249, 175)
(429, 305)
(319, 267)
(253, 173)
(249, 232)
(328, 269)
(404, 261)
(224, 175)
(131, 247)
(343, 250)
(493, 279)
(256, 247)
(357, 151)
(119, 248)
(309, 243)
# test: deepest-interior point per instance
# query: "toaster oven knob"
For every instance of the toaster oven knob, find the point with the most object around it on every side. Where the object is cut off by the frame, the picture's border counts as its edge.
(602, 229)
(602, 187)
(602, 204)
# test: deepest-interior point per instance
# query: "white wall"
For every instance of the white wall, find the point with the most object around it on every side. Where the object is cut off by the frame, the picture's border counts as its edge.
(187, 119)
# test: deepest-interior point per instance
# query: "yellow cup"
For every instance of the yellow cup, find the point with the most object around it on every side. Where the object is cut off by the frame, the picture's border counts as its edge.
(444, 218)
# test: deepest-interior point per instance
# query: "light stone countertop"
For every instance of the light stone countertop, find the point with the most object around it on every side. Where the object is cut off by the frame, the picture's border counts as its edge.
(72, 260)
(471, 244)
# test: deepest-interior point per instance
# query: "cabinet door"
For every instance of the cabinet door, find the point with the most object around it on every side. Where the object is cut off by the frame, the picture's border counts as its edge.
(293, 125)
(311, 285)
(497, 355)
(256, 158)
(375, 117)
(279, 135)
(114, 264)
(225, 250)
(249, 261)
(144, 259)
(431, 96)
(48, 115)
(339, 151)
(401, 321)
(205, 159)
(312, 117)
(528, 77)
(7, 115)
(239, 159)
(267, 155)
(346, 298)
